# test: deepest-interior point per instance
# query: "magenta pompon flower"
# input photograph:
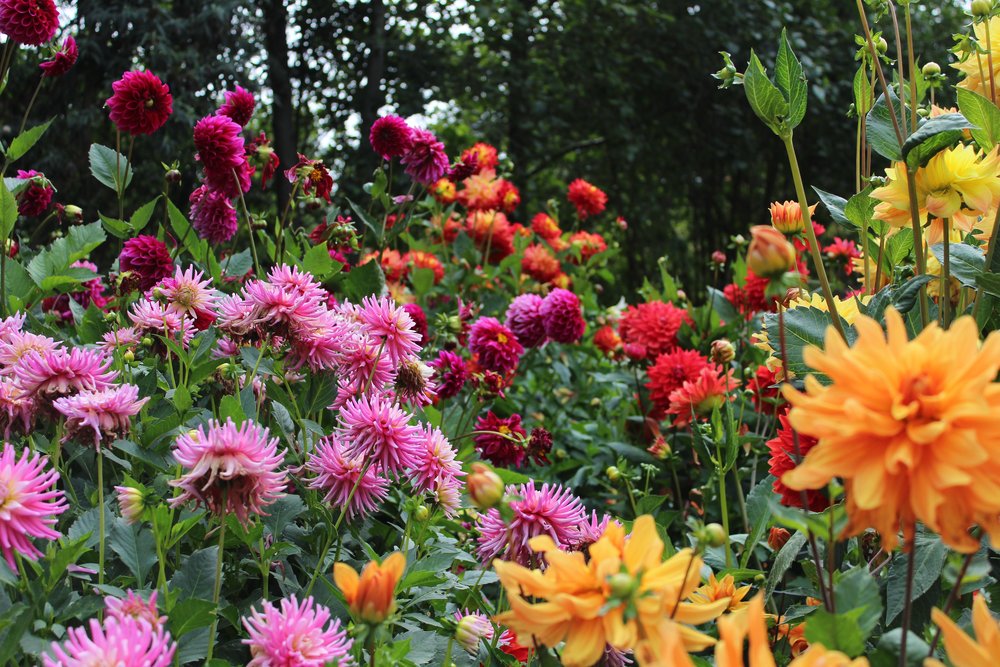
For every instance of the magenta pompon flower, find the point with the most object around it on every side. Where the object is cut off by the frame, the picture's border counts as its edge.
(219, 142)
(524, 318)
(29, 22)
(562, 317)
(425, 160)
(148, 258)
(373, 427)
(451, 373)
(213, 215)
(390, 137)
(93, 416)
(336, 475)
(296, 633)
(495, 346)
(29, 504)
(140, 103)
(123, 641)
(239, 106)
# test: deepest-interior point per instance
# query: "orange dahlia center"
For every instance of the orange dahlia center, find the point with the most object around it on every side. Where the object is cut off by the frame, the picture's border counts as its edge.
(913, 398)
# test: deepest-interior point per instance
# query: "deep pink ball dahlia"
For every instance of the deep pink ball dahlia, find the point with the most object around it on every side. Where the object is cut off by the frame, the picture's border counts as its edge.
(219, 142)
(30, 503)
(239, 106)
(562, 316)
(390, 137)
(501, 440)
(36, 196)
(213, 215)
(299, 633)
(62, 60)
(148, 258)
(31, 22)
(524, 318)
(451, 373)
(496, 346)
(419, 318)
(551, 510)
(140, 103)
(426, 160)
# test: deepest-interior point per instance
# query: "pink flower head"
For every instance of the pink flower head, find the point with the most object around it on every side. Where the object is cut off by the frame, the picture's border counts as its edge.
(126, 641)
(524, 318)
(61, 373)
(132, 605)
(187, 293)
(451, 373)
(239, 106)
(299, 634)
(31, 22)
(501, 440)
(435, 461)
(390, 137)
(495, 346)
(131, 504)
(337, 474)
(219, 142)
(363, 367)
(152, 317)
(551, 510)
(140, 103)
(425, 160)
(92, 416)
(17, 409)
(300, 283)
(19, 343)
(213, 215)
(35, 197)
(372, 427)
(592, 529)
(63, 59)
(12, 324)
(281, 310)
(125, 337)
(562, 316)
(148, 258)
(29, 503)
(414, 385)
(229, 469)
(471, 628)
(391, 325)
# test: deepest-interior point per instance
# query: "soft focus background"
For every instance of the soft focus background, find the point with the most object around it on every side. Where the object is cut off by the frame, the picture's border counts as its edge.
(618, 93)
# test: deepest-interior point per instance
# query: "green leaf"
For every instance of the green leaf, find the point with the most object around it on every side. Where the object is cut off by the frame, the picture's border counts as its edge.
(759, 514)
(916, 648)
(982, 113)
(782, 561)
(836, 205)
(238, 264)
(863, 92)
(899, 246)
(932, 136)
(364, 280)
(282, 513)
(230, 408)
(857, 589)
(422, 279)
(135, 547)
(722, 306)
(190, 614)
(143, 215)
(930, 557)
(8, 212)
(966, 262)
(860, 208)
(990, 283)
(68, 552)
(366, 220)
(905, 296)
(764, 97)
(318, 262)
(791, 81)
(23, 142)
(197, 574)
(837, 632)
(880, 129)
(110, 167)
(804, 327)
(117, 228)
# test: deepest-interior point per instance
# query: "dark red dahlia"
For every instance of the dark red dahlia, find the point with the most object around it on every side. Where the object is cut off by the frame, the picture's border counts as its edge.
(426, 160)
(501, 441)
(147, 258)
(36, 196)
(140, 103)
(524, 318)
(62, 60)
(766, 391)
(419, 320)
(783, 459)
(313, 176)
(390, 137)
(239, 106)
(539, 444)
(261, 147)
(450, 373)
(219, 142)
(562, 316)
(31, 22)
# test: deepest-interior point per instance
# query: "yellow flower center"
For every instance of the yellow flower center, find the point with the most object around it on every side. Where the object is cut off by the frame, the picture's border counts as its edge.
(501, 338)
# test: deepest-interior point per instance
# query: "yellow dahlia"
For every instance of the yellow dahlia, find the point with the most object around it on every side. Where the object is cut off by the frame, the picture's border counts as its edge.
(976, 68)
(619, 597)
(910, 426)
(961, 176)
(894, 197)
(963, 650)
(724, 589)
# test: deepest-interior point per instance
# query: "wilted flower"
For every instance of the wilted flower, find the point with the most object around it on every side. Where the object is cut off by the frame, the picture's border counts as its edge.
(62, 60)
(35, 197)
(313, 176)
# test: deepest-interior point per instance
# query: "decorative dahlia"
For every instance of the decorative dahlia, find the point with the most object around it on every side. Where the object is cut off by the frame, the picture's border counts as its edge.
(17, 409)
(132, 605)
(588, 199)
(443, 190)
(436, 462)
(313, 176)
(187, 293)
(481, 191)
(510, 196)
(483, 155)
(62, 60)
(239, 106)
(35, 197)
(219, 142)
(229, 469)
(374, 428)
(391, 325)
(545, 226)
(425, 160)
(495, 346)
(426, 260)
(148, 258)
(491, 230)
(562, 316)
(123, 642)
(419, 318)
(501, 441)
(588, 244)
(539, 263)
(524, 318)
(928, 446)
(92, 416)
(765, 388)
(299, 634)
(30, 503)
(390, 137)
(845, 251)
(653, 326)
(607, 340)
(962, 650)
(61, 373)
(669, 373)
(697, 398)
(30, 22)
(15, 344)
(131, 503)
(140, 103)
(552, 510)
(337, 474)
(213, 215)
(451, 373)
(414, 385)
(783, 458)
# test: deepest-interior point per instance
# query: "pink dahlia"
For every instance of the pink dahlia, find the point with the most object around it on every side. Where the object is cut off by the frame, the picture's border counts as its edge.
(131, 504)
(299, 634)
(472, 627)
(219, 142)
(213, 215)
(17, 409)
(61, 373)
(16, 344)
(29, 505)
(188, 293)
(451, 373)
(501, 440)
(230, 469)
(669, 373)
(336, 475)
(31, 22)
(281, 310)
(390, 137)
(36, 196)
(63, 59)
(551, 510)
(425, 160)
(92, 416)
(495, 346)
(435, 461)
(126, 641)
(302, 283)
(363, 367)
(562, 316)
(374, 428)
(132, 605)
(524, 318)
(588, 199)
(12, 324)
(592, 529)
(148, 258)
(140, 103)
(154, 318)
(239, 106)
(391, 325)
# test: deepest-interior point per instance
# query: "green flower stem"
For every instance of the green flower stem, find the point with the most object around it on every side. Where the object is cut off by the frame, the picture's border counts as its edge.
(253, 244)
(721, 470)
(908, 598)
(946, 277)
(918, 242)
(817, 257)
(161, 579)
(100, 520)
(217, 593)
(912, 64)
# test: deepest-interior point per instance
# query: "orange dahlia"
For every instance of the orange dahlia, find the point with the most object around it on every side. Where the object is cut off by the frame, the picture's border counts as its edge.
(491, 228)
(910, 426)
(539, 263)
(425, 260)
(589, 244)
(963, 650)
(481, 191)
(546, 226)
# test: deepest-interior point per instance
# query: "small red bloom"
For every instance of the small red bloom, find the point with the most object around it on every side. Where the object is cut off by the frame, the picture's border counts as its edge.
(36, 196)
(62, 60)
(545, 226)
(588, 243)
(607, 340)
(844, 250)
(140, 103)
(483, 155)
(766, 392)
(313, 175)
(509, 196)
(539, 263)
(653, 326)
(588, 199)
(782, 450)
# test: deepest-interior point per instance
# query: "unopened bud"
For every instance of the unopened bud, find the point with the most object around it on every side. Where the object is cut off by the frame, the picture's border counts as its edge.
(147, 341)
(173, 176)
(981, 8)
(613, 473)
(777, 538)
(485, 486)
(930, 70)
(715, 535)
(129, 356)
(770, 255)
(73, 212)
(723, 351)
(719, 257)
(621, 585)
(881, 45)
(421, 514)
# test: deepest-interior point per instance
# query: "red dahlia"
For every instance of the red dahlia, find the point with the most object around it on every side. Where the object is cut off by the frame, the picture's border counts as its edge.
(36, 196)
(501, 441)
(652, 327)
(31, 22)
(140, 103)
(588, 199)
(239, 106)
(219, 142)
(63, 59)
(782, 460)
(669, 374)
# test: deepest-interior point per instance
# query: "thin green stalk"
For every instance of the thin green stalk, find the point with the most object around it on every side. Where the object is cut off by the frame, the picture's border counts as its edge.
(246, 214)
(956, 592)
(100, 520)
(447, 654)
(878, 70)
(724, 503)
(912, 64)
(989, 61)
(918, 242)
(31, 103)
(631, 496)
(217, 592)
(946, 276)
(899, 67)
(265, 568)
(908, 602)
(161, 578)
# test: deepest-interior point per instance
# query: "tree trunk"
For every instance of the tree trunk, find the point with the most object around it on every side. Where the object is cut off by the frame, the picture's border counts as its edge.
(283, 116)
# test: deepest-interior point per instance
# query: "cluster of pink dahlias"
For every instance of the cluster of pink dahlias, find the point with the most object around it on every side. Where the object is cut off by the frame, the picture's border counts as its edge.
(420, 152)
(557, 317)
(175, 308)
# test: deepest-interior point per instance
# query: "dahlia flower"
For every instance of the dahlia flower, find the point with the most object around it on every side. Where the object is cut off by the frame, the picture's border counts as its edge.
(451, 373)
(975, 66)
(591, 530)
(17, 409)
(552, 511)
(435, 461)
(481, 191)
(11, 324)
(524, 318)
(784, 458)
(188, 293)
(371, 597)
(238, 106)
(669, 373)
(765, 390)
(299, 634)
(492, 231)
(126, 641)
(721, 589)
(653, 326)
(152, 317)
(419, 318)
(539, 263)
(219, 142)
(961, 648)
(390, 137)
(391, 325)
(337, 474)
(374, 428)
(769, 254)
(697, 398)
(280, 310)
(510, 196)
(92, 416)
(562, 316)
(131, 503)
(576, 600)
(132, 605)
(483, 155)
(589, 244)
(414, 385)
(443, 190)
(363, 368)
(213, 215)
(34, 199)
(62, 60)
(313, 176)
(148, 258)
(546, 226)
(16, 344)
(588, 199)
(261, 148)
(30, 503)
(472, 627)
(140, 103)
(495, 346)
(786, 216)
(31, 22)
(501, 441)
(928, 447)
(425, 159)
(229, 469)
(60, 373)
(607, 340)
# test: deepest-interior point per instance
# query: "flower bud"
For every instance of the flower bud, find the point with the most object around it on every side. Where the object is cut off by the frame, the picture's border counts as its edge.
(622, 223)
(12, 248)
(129, 356)
(723, 351)
(147, 341)
(471, 629)
(613, 473)
(719, 257)
(715, 535)
(660, 448)
(777, 538)
(981, 8)
(73, 213)
(421, 514)
(621, 585)
(787, 217)
(131, 503)
(173, 176)
(930, 70)
(881, 45)
(770, 255)
(485, 486)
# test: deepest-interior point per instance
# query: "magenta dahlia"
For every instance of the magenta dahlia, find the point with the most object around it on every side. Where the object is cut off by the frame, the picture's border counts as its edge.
(92, 416)
(36, 196)
(390, 137)
(562, 316)
(147, 258)
(31, 22)
(62, 60)
(239, 106)
(125, 641)
(524, 318)
(213, 215)
(551, 510)
(140, 103)
(373, 427)
(451, 373)
(29, 505)
(419, 318)
(501, 441)
(495, 346)
(425, 160)
(336, 475)
(219, 142)
(299, 634)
